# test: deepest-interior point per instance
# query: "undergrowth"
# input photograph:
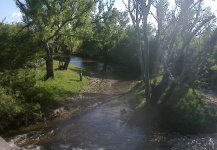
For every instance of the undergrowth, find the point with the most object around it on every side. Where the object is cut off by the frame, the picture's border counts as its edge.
(185, 112)
(25, 96)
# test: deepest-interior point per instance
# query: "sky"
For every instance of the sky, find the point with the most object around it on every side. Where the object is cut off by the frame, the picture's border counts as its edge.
(10, 11)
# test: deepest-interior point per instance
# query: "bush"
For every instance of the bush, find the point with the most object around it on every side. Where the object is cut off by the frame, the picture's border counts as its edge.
(15, 108)
(186, 110)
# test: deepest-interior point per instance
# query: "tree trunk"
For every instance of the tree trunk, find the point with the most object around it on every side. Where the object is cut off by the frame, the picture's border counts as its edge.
(139, 53)
(159, 89)
(66, 64)
(105, 55)
(168, 94)
(146, 60)
(49, 62)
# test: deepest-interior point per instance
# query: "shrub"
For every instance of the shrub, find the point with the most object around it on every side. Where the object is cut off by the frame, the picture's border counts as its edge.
(186, 110)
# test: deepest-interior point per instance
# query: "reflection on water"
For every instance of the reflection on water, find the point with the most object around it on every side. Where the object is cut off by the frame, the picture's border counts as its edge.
(86, 63)
(116, 72)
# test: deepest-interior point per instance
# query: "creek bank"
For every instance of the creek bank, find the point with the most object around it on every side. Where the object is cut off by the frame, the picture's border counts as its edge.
(188, 111)
(101, 89)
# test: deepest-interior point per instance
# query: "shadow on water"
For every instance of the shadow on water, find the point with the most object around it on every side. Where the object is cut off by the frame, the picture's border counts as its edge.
(113, 71)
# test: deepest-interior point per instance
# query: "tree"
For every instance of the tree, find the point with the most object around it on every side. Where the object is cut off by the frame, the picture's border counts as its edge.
(139, 11)
(50, 18)
(15, 46)
(124, 52)
(108, 23)
(176, 28)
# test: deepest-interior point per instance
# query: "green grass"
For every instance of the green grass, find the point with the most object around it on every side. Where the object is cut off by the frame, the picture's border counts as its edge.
(65, 82)
(139, 95)
(25, 97)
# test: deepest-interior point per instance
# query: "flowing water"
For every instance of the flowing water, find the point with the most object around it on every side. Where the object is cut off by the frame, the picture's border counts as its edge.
(101, 128)
(104, 128)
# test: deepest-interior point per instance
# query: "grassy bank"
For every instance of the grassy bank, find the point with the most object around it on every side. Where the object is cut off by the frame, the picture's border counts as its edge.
(26, 97)
(185, 112)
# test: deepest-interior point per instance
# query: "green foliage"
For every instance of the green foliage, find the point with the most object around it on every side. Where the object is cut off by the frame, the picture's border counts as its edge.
(108, 25)
(213, 68)
(24, 96)
(17, 48)
(124, 51)
(186, 110)
(55, 19)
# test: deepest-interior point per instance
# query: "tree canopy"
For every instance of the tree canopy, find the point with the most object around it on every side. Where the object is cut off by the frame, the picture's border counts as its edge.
(176, 30)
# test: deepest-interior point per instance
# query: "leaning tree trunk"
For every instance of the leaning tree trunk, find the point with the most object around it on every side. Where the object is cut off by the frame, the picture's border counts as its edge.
(160, 89)
(49, 62)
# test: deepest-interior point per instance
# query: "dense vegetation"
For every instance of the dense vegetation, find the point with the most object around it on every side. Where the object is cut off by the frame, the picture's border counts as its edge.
(186, 111)
(27, 98)
(177, 52)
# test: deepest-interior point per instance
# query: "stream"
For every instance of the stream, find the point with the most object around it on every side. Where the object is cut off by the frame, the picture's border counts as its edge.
(104, 128)
(99, 129)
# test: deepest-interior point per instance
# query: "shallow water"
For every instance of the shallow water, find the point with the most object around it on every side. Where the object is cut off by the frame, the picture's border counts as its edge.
(86, 63)
(103, 128)
(100, 129)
